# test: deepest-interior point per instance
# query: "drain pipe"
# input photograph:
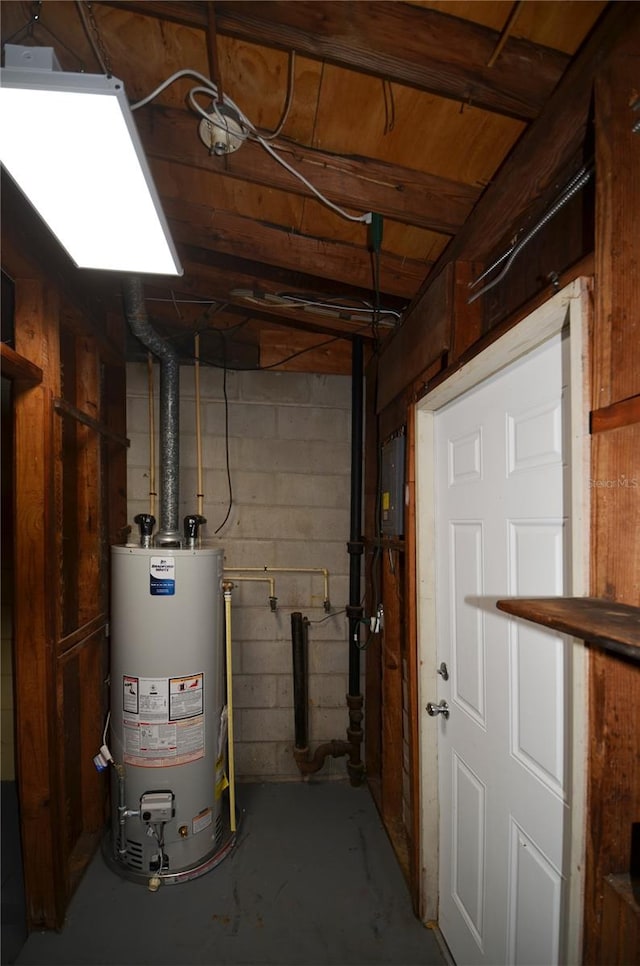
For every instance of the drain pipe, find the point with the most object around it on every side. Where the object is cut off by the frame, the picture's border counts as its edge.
(351, 747)
(168, 533)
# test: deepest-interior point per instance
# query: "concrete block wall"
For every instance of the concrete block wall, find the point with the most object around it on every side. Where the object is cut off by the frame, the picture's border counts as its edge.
(289, 461)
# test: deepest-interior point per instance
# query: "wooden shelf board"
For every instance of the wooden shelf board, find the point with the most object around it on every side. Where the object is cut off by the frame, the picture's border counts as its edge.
(605, 623)
(17, 368)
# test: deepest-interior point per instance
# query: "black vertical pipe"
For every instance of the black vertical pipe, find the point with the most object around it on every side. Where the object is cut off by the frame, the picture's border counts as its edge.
(354, 609)
(300, 680)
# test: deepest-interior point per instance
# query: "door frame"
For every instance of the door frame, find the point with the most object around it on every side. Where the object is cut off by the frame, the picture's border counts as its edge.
(568, 309)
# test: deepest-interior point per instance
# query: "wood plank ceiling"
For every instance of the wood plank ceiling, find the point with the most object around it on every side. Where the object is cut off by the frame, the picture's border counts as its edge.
(408, 110)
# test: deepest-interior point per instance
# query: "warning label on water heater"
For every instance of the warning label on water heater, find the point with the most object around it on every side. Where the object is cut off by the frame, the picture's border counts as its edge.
(162, 576)
(163, 720)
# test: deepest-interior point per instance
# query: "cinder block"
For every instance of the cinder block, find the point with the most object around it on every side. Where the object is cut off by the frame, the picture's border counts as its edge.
(265, 657)
(259, 488)
(296, 523)
(331, 657)
(138, 415)
(265, 724)
(328, 554)
(250, 591)
(327, 628)
(299, 489)
(328, 723)
(306, 422)
(284, 690)
(138, 451)
(255, 691)
(285, 762)
(277, 387)
(248, 553)
(329, 390)
(211, 383)
(255, 759)
(136, 378)
(138, 483)
(260, 624)
(286, 455)
(329, 690)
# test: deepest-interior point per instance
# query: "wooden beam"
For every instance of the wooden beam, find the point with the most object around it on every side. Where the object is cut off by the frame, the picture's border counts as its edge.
(534, 169)
(290, 351)
(36, 579)
(17, 368)
(401, 194)
(200, 281)
(406, 45)
(622, 413)
(614, 725)
(422, 339)
(221, 231)
(221, 277)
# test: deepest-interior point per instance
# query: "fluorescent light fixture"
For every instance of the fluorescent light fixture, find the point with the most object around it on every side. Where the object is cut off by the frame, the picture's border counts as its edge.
(70, 143)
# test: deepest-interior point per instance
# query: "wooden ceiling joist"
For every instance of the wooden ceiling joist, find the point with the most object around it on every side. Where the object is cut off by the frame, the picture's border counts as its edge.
(230, 234)
(404, 44)
(410, 197)
(538, 162)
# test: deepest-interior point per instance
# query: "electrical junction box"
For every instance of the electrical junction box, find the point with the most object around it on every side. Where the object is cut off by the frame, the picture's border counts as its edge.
(392, 481)
(156, 807)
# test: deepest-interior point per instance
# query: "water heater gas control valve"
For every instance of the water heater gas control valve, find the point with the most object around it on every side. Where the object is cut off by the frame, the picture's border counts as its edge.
(157, 806)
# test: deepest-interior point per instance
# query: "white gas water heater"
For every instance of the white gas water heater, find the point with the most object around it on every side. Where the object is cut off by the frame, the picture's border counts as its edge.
(167, 735)
(167, 727)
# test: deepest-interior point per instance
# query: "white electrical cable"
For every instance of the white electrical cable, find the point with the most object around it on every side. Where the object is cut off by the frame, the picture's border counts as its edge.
(170, 80)
(106, 728)
(365, 219)
(361, 310)
(250, 131)
(269, 136)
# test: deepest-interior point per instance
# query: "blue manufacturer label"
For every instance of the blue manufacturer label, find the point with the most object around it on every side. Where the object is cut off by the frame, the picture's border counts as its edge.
(162, 576)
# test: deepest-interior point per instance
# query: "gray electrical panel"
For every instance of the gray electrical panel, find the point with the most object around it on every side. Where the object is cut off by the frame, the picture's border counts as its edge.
(392, 480)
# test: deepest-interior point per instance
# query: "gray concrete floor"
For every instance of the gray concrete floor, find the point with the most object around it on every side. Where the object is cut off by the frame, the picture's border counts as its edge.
(312, 881)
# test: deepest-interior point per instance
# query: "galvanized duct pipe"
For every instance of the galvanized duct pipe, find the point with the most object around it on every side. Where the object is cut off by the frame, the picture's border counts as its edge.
(140, 326)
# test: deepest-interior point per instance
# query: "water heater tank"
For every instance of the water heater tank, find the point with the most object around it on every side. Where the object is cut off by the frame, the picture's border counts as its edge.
(167, 712)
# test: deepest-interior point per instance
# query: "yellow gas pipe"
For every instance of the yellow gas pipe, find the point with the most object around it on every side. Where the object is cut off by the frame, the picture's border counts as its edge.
(227, 587)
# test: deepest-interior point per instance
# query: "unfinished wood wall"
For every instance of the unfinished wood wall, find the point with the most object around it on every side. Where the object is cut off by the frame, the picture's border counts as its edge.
(69, 504)
(614, 766)
(449, 331)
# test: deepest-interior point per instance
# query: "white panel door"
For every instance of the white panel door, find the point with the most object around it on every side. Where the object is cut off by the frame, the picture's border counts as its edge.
(501, 529)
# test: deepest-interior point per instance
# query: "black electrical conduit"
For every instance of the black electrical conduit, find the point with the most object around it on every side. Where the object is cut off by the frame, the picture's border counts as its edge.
(299, 627)
(141, 328)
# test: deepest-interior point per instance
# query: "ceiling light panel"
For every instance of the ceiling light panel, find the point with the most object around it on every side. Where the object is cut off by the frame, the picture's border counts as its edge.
(71, 144)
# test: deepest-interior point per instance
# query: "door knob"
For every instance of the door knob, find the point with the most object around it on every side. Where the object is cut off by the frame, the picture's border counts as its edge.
(433, 710)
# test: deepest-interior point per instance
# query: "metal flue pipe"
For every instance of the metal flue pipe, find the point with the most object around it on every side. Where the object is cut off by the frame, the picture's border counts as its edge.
(168, 532)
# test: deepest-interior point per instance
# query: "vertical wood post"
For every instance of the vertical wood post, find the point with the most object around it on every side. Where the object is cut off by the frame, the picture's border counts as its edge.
(36, 571)
(614, 761)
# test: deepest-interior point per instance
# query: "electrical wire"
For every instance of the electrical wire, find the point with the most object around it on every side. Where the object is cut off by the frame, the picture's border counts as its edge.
(321, 620)
(106, 728)
(364, 219)
(576, 184)
(243, 129)
(288, 100)
(367, 307)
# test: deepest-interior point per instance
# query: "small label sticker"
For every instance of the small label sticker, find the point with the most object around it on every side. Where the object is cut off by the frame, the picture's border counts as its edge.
(162, 576)
(130, 694)
(202, 821)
